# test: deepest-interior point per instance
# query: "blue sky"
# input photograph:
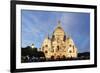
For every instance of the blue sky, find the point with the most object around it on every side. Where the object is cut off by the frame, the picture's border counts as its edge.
(37, 25)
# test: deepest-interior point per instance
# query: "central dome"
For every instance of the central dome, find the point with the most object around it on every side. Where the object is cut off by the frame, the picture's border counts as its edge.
(59, 32)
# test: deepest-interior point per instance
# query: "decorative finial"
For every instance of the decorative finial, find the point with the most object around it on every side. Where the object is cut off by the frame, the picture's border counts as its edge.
(48, 36)
(69, 36)
(59, 23)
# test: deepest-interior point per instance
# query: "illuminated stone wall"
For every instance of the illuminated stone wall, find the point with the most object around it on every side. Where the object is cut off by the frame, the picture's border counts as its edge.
(59, 45)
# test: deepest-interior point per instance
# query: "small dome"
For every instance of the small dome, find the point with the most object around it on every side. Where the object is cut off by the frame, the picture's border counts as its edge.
(69, 40)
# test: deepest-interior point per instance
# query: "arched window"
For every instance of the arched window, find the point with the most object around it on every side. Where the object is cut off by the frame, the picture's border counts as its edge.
(46, 45)
(70, 51)
(52, 57)
(70, 45)
(64, 39)
(58, 57)
(58, 48)
(63, 57)
(46, 51)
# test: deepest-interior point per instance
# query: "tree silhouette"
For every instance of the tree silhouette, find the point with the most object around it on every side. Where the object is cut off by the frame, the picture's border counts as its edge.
(31, 52)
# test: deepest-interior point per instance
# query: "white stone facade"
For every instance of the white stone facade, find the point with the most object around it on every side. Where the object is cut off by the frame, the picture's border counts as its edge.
(59, 45)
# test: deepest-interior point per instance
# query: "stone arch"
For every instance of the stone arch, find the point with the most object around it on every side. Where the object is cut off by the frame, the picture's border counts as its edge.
(52, 57)
(63, 56)
(58, 57)
(46, 51)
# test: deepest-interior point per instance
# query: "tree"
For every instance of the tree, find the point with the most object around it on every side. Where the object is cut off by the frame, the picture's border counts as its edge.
(31, 52)
(26, 51)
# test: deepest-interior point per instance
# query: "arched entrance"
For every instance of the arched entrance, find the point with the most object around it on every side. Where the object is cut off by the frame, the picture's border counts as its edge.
(52, 57)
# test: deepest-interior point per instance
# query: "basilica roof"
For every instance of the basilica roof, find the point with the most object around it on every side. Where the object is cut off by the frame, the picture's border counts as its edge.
(59, 29)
